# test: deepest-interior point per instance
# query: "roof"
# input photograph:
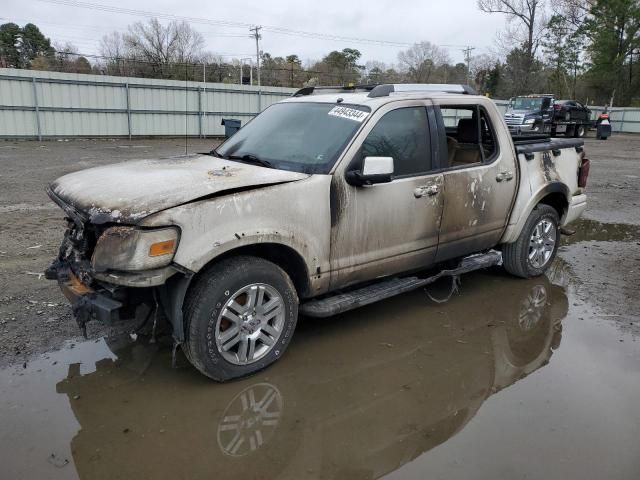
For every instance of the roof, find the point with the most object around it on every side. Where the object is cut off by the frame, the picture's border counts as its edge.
(374, 96)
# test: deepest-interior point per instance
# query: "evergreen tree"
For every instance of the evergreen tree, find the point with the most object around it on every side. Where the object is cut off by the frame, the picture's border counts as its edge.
(613, 27)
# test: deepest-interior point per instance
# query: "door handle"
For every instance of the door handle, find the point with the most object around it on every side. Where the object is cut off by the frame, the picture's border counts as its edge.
(429, 190)
(506, 175)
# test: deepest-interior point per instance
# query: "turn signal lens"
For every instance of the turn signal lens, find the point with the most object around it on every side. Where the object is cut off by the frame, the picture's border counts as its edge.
(162, 248)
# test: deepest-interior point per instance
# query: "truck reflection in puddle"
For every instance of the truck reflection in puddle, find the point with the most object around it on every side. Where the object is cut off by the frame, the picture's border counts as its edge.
(359, 396)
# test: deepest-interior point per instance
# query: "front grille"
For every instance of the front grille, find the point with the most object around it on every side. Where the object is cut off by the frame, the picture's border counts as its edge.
(78, 244)
(514, 119)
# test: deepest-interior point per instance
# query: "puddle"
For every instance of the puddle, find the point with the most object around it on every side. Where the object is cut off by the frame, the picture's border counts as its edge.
(589, 230)
(510, 379)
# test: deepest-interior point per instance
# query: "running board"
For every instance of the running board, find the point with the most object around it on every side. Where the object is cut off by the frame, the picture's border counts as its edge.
(343, 302)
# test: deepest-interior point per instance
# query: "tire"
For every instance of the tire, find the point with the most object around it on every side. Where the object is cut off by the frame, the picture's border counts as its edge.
(579, 130)
(517, 256)
(227, 298)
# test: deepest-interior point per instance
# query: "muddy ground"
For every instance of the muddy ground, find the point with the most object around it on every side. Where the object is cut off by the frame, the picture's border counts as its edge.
(509, 379)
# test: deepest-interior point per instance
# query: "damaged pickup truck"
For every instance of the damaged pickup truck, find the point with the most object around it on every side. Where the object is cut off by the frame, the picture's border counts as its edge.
(332, 199)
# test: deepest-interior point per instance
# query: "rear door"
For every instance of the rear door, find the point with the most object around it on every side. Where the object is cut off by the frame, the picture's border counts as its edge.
(387, 228)
(480, 180)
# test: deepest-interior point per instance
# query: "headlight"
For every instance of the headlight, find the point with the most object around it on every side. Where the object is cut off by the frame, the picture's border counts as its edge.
(530, 120)
(132, 249)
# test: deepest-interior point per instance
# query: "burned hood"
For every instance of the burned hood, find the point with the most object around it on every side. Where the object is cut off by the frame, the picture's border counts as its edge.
(127, 192)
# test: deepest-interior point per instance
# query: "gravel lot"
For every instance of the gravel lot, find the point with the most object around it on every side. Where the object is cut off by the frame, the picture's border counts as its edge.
(35, 317)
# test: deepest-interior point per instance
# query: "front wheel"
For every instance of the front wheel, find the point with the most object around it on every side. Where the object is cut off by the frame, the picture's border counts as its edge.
(240, 316)
(536, 247)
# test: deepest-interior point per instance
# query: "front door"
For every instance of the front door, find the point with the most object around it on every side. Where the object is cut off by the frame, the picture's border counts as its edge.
(387, 228)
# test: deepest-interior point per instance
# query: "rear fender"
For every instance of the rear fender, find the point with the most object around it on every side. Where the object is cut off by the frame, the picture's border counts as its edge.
(517, 224)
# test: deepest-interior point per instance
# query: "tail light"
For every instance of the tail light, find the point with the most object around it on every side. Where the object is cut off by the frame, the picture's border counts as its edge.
(583, 172)
(556, 106)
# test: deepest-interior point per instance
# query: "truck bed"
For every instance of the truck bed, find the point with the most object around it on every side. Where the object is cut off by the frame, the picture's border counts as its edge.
(532, 145)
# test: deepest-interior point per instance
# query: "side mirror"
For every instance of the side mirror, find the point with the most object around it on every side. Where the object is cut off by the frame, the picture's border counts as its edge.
(374, 170)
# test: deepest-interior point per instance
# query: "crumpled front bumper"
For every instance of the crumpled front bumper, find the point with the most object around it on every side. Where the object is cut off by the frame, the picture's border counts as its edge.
(87, 303)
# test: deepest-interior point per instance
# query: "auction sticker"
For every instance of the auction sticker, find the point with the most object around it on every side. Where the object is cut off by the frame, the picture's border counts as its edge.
(349, 113)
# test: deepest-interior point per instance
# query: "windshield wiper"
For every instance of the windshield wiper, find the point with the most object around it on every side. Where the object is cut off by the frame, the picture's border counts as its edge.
(250, 158)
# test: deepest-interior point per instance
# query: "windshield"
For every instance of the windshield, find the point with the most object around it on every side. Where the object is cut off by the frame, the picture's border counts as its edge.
(527, 103)
(303, 137)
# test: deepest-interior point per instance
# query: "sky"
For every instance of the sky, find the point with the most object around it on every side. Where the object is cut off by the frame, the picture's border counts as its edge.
(453, 22)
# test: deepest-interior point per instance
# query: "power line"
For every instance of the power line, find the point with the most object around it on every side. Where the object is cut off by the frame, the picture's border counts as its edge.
(232, 24)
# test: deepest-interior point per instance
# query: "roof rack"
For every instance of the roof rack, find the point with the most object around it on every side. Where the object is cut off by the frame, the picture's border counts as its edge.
(386, 89)
(333, 89)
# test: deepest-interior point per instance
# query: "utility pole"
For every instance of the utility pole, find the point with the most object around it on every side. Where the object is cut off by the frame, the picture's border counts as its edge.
(257, 36)
(467, 56)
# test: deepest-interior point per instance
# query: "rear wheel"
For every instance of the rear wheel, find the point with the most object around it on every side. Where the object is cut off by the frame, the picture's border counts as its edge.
(536, 247)
(580, 131)
(239, 317)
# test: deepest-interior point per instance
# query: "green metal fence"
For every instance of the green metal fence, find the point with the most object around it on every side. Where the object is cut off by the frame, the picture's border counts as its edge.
(36, 104)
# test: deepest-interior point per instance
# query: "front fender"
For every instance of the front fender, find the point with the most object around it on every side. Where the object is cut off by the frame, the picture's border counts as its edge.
(295, 215)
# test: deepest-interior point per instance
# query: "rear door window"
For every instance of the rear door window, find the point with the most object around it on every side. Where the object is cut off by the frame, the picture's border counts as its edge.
(404, 135)
(470, 136)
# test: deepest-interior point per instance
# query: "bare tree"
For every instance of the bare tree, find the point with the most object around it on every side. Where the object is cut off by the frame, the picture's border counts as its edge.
(528, 15)
(421, 61)
(483, 62)
(115, 54)
(162, 46)
(112, 46)
(189, 43)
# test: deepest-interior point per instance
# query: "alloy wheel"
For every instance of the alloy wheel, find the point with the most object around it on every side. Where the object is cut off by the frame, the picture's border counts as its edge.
(542, 243)
(250, 324)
